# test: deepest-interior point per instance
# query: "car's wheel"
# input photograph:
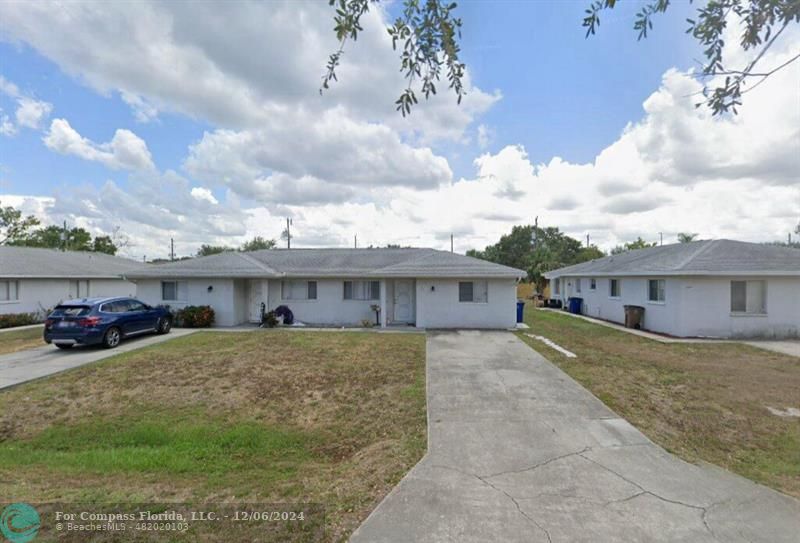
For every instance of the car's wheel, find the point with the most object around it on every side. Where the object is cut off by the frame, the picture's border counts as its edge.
(112, 338)
(164, 325)
(64, 346)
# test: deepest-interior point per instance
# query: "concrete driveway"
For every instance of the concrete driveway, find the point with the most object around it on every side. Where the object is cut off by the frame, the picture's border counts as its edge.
(22, 366)
(786, 346)
(518, 451)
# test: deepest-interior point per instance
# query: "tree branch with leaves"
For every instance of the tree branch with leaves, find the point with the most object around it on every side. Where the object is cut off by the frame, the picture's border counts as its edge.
(763, 22)
(428, 33)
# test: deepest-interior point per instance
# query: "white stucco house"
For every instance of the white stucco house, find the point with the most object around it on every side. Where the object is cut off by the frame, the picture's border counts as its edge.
(717, 288)
(421, 287)
(34, 280)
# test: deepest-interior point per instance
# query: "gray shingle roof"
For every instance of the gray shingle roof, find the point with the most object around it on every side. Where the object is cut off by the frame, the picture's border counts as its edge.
(18, 262)
(331, 263)
(709, 257)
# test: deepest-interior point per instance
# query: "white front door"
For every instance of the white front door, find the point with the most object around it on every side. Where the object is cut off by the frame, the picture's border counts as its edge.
(402, 300)
(257, 294)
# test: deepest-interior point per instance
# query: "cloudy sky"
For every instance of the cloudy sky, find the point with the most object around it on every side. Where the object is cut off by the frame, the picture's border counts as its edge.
(204, 123)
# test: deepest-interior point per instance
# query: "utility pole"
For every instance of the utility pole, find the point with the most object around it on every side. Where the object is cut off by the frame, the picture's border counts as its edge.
(64, 237)
(451, 243)
(172, 248)
(288, 233)
(661, 235)
(587, 240)
(355, 241)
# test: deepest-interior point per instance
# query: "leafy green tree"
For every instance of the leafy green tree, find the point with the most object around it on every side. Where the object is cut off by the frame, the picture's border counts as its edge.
(429, 33)
(13, 226)
(638, 243)
(685, 237)
(537, 250)
(206, 250)
(104, 244)
(257, 243)
(55, 237)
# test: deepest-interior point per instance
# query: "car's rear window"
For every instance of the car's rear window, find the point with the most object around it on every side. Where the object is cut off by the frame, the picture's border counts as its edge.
(71, 310)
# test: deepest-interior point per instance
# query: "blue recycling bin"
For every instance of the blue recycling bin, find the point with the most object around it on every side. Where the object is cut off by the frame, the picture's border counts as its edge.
(575, 305)
(520, 310)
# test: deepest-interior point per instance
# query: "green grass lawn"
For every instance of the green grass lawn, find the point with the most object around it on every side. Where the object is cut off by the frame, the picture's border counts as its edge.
(700, 401)
(329, 418)
(19, 340)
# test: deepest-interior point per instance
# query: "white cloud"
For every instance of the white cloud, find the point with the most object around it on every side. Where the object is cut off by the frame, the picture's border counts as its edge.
(7, 128)
(485, 136)
(315, 156)
(29, 114)
(126, 150)
(235, 67)
(143, 111)
(202, 193)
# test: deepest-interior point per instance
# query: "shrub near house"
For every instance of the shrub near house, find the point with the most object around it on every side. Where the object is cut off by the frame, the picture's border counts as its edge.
(19, 319)
(194, 316)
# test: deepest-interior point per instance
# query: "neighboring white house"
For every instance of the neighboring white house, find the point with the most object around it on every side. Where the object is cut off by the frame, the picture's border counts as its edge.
(421, 287)
(718, 288)
(34, 280)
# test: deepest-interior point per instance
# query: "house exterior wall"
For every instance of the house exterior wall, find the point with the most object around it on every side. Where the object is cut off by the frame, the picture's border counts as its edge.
(437, 308)
(437, 305)
(330, 307)
(223, 297)
(40, 295)
(662, 317)
(693, 306)
(707, 309)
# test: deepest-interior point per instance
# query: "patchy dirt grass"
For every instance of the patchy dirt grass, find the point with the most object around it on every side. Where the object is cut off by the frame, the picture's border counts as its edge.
(263, 417)
(700, 401)
(19, 340)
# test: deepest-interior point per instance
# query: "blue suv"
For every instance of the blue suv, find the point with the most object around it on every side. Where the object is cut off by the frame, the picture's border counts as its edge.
(103, 321)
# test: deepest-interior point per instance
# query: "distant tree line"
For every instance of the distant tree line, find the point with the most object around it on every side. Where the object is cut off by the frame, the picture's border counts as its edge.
(22, 231)
(256, 244)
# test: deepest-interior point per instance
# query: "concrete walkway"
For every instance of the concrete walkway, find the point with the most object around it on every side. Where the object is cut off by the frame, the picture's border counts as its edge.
(518, 451)
(30, 364)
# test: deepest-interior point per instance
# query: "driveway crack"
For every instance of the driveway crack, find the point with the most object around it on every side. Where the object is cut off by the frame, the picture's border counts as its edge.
(540, 464)
(506, 494)
(703, 509)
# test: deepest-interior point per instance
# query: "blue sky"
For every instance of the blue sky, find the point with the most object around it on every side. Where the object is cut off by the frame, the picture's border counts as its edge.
(243, 138)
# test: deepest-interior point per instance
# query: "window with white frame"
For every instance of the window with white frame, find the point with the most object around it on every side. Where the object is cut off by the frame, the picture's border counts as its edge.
(473, 291)
(79, 288)
(362, 290)
(614, 289)
(656, 290)
(9, 291)
(578, 285)
(174, 291)
(749, 297)
(298, 290)
(592, 284)
(557, 286)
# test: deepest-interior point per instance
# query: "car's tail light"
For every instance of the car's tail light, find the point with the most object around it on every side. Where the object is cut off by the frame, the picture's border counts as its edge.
(88, 322)
(48, 323)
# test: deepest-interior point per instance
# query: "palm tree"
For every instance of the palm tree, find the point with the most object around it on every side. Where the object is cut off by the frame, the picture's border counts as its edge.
(685, 237)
